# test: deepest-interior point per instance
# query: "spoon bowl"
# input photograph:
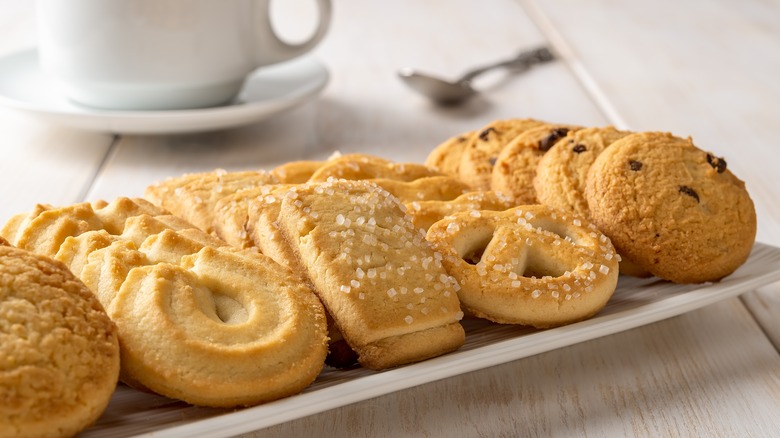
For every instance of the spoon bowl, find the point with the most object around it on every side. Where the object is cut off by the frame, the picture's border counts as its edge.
(452, 93)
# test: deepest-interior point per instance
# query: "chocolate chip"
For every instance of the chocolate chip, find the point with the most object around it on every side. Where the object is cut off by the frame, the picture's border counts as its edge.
(690, 192)
(462, 139)
(484, 134)
(635, 165)
(579, 148)
(546, 143)
(493, 161)
(717, 163)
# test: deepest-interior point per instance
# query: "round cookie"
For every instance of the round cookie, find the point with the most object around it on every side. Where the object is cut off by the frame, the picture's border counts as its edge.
(515, 168)
(673, 209)
(59, 354)
(479, 155)
(446, 156)
(561, 172)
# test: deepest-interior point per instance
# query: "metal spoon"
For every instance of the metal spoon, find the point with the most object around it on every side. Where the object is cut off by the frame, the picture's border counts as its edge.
(452, 93)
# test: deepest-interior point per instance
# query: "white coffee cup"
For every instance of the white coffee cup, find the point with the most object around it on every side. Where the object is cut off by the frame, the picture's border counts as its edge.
(160, 54)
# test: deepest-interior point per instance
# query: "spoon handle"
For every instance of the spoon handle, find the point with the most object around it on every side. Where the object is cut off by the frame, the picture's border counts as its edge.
(523, 60)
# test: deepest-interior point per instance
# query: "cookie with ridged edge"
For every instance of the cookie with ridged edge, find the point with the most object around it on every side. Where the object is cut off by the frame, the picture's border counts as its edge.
(480, 154)
(59, 354)
(672, 208)
(446, 156)
(426, 213)
(515, 168)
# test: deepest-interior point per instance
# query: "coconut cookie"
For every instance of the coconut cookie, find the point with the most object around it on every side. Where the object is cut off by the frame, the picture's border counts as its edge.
(528, 265)
(561, 172)
(673, 209)
(482, 150)
(446, 156)
(384, 286)
(515, 168)
(59, 354)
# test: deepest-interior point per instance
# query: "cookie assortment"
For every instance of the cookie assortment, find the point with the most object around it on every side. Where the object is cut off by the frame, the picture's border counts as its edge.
(236, 288)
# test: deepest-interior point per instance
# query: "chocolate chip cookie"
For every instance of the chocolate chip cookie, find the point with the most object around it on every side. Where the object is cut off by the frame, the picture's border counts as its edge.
(674, 209)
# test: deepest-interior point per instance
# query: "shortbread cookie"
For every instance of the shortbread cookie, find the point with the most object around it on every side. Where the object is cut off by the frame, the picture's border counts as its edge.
(48, 230)
(673, 209)
(231, 216)
(482, 150)
(384, 286)
(429, 188)
(296, 172)
(426, 213)
(59, 354)
(358, 167)
(529, 265)
(561, 172)
(446, 156)
(515, 169)
(194, 196)
(263, 228)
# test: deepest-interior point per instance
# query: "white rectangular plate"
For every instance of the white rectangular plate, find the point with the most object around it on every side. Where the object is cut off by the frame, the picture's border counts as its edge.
(636, 302)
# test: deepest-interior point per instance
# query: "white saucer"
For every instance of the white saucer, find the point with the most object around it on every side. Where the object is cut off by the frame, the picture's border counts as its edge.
(267, 91)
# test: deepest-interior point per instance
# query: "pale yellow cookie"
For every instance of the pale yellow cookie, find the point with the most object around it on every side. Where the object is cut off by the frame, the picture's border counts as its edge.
(429, 188)
(528, 265)
(358, 167)
(296, 172)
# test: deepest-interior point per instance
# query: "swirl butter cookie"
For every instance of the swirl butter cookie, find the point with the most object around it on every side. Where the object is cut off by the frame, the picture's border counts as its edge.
(384, 286)
(480, 154)
(528, 265)
(672, 208)
(59, 354)
(515, 167)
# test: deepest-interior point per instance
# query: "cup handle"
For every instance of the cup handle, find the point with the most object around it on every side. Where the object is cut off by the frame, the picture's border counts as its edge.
(271, 49)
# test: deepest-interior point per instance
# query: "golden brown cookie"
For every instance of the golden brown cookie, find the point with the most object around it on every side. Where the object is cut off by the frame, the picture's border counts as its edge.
(359, 166)
(296, 172)
(59, 355)
(194, 196)
(426, 213)
(529, 265)
(446, 156)
(673, 209)
(429, 188)
(482, 150)
(515, 168)
(561, 172)
(377, 275)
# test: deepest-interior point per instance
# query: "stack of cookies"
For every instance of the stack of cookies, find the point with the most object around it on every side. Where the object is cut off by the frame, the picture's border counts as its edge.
(671, 209)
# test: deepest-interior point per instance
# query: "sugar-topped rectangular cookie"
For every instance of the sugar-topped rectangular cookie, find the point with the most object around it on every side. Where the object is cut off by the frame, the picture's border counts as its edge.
(373, 269)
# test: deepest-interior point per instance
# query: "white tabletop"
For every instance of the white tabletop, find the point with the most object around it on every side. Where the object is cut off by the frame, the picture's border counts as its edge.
(704, 69)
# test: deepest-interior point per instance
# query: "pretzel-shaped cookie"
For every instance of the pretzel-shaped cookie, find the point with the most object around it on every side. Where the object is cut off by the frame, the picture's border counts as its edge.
(528, 265)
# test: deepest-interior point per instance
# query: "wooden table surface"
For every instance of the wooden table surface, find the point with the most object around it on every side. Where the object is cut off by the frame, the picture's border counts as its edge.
(705, 69)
